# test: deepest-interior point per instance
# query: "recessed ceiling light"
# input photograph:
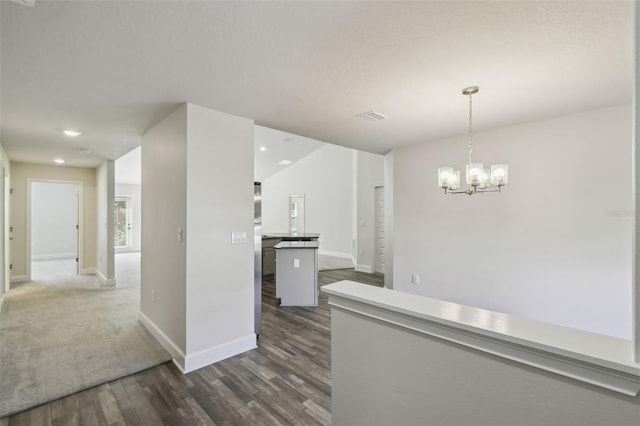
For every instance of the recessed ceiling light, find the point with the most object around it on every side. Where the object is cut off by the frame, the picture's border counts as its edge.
(285, 162)
(72, 133)
(263, 148)
(58, 160)
(372, 115)
(84, 150)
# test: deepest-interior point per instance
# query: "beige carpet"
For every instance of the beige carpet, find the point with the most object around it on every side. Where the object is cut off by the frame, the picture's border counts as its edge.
(58, 337)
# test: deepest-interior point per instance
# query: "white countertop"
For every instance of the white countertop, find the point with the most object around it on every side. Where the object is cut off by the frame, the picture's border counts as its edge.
(594, 358)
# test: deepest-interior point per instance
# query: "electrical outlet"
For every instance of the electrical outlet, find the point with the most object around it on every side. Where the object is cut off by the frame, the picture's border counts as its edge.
(296, 263)
(415, 279)
(238, 237)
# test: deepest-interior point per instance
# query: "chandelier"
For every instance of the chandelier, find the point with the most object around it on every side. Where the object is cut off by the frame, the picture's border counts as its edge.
(479, 179)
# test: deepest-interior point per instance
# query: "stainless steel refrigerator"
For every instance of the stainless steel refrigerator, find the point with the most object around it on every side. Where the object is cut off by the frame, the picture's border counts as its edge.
(257, 255)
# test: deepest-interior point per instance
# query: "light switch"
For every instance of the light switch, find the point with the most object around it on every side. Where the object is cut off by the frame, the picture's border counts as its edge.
(296, 263)
(179, 235)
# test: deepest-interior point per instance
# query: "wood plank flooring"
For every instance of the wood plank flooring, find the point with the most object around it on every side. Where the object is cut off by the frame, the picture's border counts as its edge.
(285, 381)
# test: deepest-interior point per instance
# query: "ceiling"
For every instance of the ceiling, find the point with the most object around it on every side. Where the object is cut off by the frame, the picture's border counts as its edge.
(270, 147)
(114, 69)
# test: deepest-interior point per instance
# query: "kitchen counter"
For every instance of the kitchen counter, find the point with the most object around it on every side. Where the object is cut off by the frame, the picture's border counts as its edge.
(292, 237)
(297, 245)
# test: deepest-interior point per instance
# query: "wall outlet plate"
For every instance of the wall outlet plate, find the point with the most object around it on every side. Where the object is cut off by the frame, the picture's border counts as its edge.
(238, 237)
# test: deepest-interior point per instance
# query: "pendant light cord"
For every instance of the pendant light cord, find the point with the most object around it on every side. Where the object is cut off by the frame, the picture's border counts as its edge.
(470, 129)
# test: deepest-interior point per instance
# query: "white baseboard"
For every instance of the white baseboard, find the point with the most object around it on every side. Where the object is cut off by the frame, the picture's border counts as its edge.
(335, 254)
(89, 271)
(54, 256)
(106, 282)
(164, 340)
(364, 268)
(19, 279)
(202, 358)
(218, 353)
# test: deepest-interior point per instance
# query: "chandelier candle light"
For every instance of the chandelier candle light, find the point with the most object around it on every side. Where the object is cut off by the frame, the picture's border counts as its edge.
(479, 179)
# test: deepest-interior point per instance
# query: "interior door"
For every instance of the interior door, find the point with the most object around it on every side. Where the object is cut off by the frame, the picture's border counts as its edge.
(379, 230)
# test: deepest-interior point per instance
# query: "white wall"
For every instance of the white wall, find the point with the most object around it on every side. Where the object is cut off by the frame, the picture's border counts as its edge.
(325, 177)
(134, 193)
(105, 199)
(54, 216)
(197, 175)
(219, 201)
(164, 199)
(20, 173)
(555, 246)
(369, 174)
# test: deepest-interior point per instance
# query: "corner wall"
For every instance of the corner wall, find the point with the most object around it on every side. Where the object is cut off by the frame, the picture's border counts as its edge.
(554, 246)
(197, 288)
(163, 264)
(105, 199)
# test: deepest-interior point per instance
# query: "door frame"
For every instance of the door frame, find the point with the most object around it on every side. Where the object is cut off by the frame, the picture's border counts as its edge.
(374, 262)
(6, 194)
(80, 245)
(129, 247)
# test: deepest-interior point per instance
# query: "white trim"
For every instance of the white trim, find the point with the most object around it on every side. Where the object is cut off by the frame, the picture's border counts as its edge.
(19, 279)
(364, 268)
(53, 256)
(106, 282)
(596, 359)
(336, 254)
(164, 340)
(1, 302)
(89, 271)
(218, 353)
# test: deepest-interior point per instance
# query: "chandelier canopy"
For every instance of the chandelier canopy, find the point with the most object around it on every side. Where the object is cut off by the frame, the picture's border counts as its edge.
(479, 179)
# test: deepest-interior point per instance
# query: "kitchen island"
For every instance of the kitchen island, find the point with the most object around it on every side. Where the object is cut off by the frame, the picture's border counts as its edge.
(296, 278)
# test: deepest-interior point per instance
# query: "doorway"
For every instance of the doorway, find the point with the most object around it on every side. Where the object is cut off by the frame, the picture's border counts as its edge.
(54, 227)
(296, 214)
(379, 230)
(122, 224)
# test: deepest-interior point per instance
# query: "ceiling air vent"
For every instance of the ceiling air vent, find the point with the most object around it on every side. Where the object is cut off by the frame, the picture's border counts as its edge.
(372, 115)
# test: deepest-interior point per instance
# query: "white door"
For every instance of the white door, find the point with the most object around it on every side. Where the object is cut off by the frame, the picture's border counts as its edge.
(53, 229)
(379, 229)
(122, 229)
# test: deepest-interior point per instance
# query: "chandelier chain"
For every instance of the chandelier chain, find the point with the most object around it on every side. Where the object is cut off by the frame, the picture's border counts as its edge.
(470, 128)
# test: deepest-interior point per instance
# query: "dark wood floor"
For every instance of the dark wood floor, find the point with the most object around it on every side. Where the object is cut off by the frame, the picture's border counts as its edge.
(286, 380)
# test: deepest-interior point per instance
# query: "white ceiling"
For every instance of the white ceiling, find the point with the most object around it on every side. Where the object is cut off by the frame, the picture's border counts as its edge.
(270, 146)
(278, 146)
(113, 69)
